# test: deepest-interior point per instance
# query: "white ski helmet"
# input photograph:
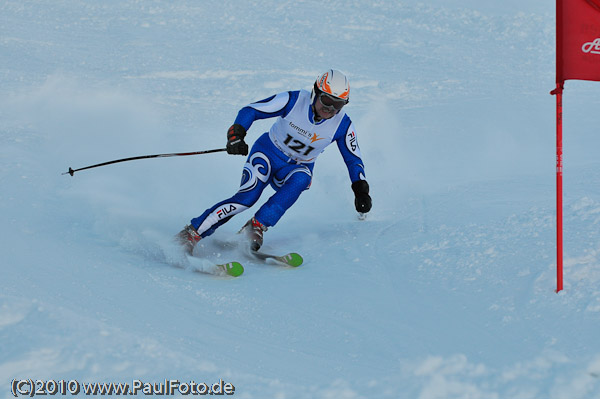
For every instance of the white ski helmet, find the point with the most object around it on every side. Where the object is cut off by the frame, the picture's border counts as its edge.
(333, 83)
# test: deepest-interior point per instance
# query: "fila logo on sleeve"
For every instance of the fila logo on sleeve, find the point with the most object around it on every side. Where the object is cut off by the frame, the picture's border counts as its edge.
(352, 143)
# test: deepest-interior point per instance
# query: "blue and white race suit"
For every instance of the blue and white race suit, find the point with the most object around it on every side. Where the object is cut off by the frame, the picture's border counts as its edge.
(283, 158)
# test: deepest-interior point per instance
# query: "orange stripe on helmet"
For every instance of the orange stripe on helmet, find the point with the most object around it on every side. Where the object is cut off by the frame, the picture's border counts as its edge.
(324, 85)
(344, 95)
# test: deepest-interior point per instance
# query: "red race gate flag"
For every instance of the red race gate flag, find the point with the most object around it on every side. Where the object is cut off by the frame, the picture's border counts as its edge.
(577, 40)
(577, 57)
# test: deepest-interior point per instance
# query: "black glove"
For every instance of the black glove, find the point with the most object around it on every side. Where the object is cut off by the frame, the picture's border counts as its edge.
(235, 140)
(362, 199)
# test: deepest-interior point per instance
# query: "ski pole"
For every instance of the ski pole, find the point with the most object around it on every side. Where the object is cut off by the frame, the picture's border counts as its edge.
(72, 171)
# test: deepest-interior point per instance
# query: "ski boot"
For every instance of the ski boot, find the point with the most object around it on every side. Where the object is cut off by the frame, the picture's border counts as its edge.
(188, 238)
(254, 231)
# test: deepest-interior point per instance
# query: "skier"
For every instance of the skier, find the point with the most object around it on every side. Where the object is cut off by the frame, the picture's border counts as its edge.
(284, 157)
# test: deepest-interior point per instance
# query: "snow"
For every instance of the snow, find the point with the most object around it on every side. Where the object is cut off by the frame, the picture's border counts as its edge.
(446, 290)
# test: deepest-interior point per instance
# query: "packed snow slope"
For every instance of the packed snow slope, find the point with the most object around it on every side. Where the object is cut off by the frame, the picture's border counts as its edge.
(446, 290)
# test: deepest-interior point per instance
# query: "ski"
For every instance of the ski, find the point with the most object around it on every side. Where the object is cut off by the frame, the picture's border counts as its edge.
(234, 269)
(201, 265)
(292, 259)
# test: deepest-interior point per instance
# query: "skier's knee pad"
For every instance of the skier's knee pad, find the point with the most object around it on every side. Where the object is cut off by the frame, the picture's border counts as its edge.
(300, 180)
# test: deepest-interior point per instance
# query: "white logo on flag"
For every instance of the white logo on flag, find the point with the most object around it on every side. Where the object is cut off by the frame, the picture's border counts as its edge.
(592, 47)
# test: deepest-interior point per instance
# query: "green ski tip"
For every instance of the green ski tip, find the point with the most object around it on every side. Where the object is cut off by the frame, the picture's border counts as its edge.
(293, 259)
(234, 269)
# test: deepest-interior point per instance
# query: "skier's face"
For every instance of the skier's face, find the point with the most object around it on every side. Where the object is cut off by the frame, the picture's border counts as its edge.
(324, 113)
(326, 106)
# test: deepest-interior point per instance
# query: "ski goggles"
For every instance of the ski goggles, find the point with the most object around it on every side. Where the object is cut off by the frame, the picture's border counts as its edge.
(331, 103)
